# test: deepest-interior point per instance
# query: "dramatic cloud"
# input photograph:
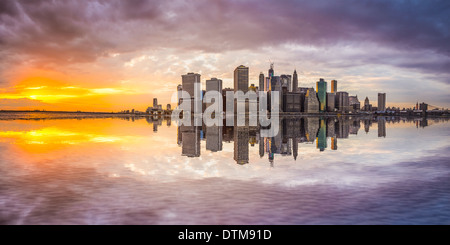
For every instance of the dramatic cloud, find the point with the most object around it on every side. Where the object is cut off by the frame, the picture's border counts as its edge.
(315, 36)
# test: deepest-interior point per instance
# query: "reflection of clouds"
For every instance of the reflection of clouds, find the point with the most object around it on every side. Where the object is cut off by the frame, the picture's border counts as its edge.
(133, 150)
(145, 180)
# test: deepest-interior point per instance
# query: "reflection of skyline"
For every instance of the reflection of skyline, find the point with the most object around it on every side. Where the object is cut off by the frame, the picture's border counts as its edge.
(323, 132)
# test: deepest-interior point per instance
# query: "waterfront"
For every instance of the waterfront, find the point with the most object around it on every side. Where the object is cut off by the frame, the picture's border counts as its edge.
(140, 170)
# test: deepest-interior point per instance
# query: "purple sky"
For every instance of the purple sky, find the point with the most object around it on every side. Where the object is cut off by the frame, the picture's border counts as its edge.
(398, 47)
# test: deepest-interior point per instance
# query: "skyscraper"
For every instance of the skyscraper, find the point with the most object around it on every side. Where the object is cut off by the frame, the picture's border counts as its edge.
(321, 87)
(342, 101)
(354, 103)
(294, 82)
(286, 82)
(367, 105)
(241, 79)
(331, 100)
(311, 102)
(261, 82)
(189, 82)
(214, 84)
(381, 101)
(333, 86)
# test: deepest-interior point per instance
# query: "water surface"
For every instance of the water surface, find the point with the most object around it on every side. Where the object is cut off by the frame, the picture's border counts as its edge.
(144, 170)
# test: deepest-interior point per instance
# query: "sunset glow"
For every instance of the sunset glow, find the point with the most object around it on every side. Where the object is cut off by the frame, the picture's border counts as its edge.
(115, 55)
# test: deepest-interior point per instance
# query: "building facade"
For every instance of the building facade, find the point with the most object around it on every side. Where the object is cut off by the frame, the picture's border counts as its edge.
(321, 87)
(311, 101)
(191, 82)
(381, 101)
(331, 99)
(295, 82)
(241, 79)
(341, 102)
(334, 86)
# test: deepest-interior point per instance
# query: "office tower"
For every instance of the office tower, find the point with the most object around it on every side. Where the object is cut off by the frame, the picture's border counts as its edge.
(321, 87)
(321, 140)
(292, 102)
(261, 82)
(341, 101)
(295, 82)
(271, 72)
(241, 79)
(286, 82)
(331, 100)
(214, 138)
(169, 107)
(381, 127)
(276, 85)
(155, 103)
(189, 81)
(381, 101)
(354, 104)
(367, 105)
(214, 84)
(333, 86)
(311, 101)
(241, 149)
(423, 106)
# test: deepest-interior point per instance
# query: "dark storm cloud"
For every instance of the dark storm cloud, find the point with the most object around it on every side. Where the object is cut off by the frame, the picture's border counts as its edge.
(82, 31)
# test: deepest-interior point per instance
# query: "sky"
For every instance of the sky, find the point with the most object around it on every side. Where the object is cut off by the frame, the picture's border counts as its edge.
(111, 55)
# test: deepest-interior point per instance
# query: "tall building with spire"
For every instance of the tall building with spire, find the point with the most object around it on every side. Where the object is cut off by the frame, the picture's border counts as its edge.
(294, 82)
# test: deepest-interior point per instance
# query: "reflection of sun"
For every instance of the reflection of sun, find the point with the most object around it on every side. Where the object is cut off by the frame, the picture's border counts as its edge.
(50, 138)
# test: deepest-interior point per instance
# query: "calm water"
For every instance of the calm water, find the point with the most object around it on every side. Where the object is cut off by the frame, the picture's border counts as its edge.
(150, 171)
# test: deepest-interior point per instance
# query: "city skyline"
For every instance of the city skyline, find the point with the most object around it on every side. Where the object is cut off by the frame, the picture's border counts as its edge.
(100, 56)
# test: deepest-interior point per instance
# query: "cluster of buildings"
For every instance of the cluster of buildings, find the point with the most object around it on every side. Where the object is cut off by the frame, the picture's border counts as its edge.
(293, 99)
(323, 132)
